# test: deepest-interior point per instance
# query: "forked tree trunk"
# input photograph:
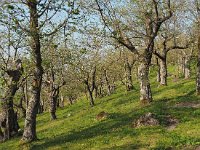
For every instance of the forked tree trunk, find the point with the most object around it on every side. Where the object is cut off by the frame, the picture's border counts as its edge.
(30, 121)
(89, 93)
(8, 117)
(163, 72)
(145, 89)
(91, 88)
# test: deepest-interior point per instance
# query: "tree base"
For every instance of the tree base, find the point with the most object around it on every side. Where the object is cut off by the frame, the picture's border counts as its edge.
(26, 140)
(146, 101)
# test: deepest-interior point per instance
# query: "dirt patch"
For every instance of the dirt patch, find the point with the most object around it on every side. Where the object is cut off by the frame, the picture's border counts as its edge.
(188, 104)
(102, 115)
(147, 119)
(150, 119)
(198, 148)
(171, 122)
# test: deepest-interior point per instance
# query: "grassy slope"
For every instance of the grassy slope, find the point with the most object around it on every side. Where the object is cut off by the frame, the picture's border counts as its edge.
(76, 127)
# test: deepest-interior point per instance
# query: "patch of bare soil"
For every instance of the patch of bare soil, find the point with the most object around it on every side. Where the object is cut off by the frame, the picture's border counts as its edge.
(197, 148)
(171, 122)
(188, 104)
(147, 119)
(150, 119)
(102, 115)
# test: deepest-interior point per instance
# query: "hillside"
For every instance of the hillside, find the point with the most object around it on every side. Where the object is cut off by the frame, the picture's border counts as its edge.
(78, 129)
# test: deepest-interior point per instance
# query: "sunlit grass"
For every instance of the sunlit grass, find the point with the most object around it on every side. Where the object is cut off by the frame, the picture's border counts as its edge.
(77, 128)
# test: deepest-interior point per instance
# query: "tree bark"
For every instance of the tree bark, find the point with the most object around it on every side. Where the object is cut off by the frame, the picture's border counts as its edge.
(30, 121)
(198, 66)
(145, 89)
(163, 71)
(158, 71)
(107, 82)
(198, 53)
(8, 117)
(129, 80)
(187, 67)
(20, 105)
(89, 93)
(183, 65)
(96, 91)
(53, 100)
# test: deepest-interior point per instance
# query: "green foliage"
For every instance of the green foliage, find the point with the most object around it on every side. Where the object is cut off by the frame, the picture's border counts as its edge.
(11, 7)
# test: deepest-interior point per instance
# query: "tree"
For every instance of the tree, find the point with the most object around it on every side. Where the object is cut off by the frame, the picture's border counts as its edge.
(128, 66)
(162, 55)
(41, 24)
(197, 5)
(146, 22)
(8, 116)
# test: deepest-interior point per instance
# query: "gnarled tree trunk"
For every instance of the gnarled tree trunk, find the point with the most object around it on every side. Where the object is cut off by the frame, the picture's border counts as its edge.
(30, 121)
(8, 117)
(145, 89)
(93, 85)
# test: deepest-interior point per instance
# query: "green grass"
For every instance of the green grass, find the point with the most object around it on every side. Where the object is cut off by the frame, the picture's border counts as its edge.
(77, 129)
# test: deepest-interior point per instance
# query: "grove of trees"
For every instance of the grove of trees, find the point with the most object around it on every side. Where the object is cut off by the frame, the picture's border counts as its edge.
(52, 53)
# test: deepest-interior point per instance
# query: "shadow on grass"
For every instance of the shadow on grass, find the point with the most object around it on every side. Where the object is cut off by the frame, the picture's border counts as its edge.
(116, 121)
(124, 147)
(121, 121)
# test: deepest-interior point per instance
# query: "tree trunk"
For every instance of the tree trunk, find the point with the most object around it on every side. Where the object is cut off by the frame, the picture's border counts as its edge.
(8, 118)
(107, 82)
(62, 100)
(40, 107)
(187, 67)
(30, 121)
(183, 65)
(158, 71)
(91, 98)
(58, 102)
(70, 98)
(11, 126)
(163, 72)
(145, 89)
(26, 93)
(198, 66)
(20, 105)
(96, 91)
(53, 100)
(129, 80)
(89, 93)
